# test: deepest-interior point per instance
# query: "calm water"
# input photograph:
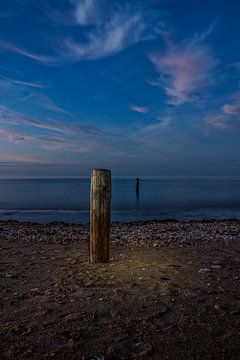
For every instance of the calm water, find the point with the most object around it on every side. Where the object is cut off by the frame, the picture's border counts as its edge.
(45, 200)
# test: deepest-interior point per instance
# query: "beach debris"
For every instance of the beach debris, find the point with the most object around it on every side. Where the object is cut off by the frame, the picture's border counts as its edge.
(218, 264)
(35, 291)
(10, 275)
(204, 270)
(216, 267)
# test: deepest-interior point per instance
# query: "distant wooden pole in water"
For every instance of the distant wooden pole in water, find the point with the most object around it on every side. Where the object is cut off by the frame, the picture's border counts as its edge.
(100, 215)
(137, 185)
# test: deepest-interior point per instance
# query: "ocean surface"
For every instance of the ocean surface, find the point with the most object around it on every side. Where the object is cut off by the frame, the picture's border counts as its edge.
(67, 199)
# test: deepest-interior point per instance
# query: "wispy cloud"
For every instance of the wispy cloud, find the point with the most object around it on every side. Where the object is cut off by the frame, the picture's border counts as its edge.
(226, 118)
(218, 121)
(139, 109)
(7, 159)
(113, 27)
(107, 28)
(160, 124)
(44, 101)
(10, 117)
(88, 12)
(233, 108)
(17, 91)
(185, 69)
(121, 31)
(52, 134)
(45, 59)
(24, 83)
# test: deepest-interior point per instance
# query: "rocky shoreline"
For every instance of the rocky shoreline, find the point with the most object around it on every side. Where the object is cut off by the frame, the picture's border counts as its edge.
(141, 234)
(138, 234)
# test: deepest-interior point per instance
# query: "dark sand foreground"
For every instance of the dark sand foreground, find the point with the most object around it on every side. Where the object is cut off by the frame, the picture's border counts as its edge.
(171, 291)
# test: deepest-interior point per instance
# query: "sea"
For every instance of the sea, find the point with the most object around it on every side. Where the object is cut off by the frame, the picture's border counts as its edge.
(160, 198)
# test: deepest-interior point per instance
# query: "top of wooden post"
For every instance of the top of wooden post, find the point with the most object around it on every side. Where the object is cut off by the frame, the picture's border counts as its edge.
(104, 170)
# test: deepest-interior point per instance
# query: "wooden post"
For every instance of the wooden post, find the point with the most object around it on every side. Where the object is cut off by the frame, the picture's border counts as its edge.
(100, 215)
(137, 185)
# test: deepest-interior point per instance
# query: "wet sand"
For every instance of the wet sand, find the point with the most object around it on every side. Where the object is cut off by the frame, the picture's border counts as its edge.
(170, 291)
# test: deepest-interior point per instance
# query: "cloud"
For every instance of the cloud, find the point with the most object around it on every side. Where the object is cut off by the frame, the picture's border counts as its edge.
(121, 31)
(15, 137)
(234, 107)
(44, 101)
(139, 109)
(218, 121)
(226, 118)
(45, 59)
(7, 159)
(60, 138)
(113, 28)
(52, 134)
(17, 91)
(105, 29)
(155, 127)
(185, 69)
(87, 12)
(55, 13)
(231, 109)
(11, 117)
(24, 83)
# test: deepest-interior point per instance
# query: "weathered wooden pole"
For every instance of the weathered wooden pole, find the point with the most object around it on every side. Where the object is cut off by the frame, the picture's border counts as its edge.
(137, 185)
(100, 215)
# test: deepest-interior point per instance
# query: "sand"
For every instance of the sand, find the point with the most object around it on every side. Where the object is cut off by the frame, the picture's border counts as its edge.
(170, 291)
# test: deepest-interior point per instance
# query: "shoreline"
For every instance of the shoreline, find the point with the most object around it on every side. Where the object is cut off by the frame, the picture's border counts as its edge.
(170, 233)
(140, 222)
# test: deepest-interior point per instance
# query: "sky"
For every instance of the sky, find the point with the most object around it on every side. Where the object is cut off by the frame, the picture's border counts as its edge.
(141, 87)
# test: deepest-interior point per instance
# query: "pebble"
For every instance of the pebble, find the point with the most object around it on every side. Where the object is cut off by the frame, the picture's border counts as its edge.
(35, 291)
(216, 267)
(204, 270)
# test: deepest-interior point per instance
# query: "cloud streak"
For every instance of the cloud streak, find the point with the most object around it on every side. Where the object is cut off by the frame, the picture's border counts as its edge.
(53, 135)
(112, 37)
(18, 91)
(218, 121)
(139, 109)
(185, 69)
(35, 85)
(233, 108)
(88, 12)
(227, 117)
(44, 59)
(106, 29)
(10, 117)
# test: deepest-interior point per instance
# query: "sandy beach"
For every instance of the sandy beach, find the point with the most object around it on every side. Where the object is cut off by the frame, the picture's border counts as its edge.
(170, 291)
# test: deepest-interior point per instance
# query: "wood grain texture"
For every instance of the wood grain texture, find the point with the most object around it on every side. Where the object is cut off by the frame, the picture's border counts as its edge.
(100, 215)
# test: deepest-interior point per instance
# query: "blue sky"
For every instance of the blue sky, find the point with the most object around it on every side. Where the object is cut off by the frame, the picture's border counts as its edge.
(144, 87)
